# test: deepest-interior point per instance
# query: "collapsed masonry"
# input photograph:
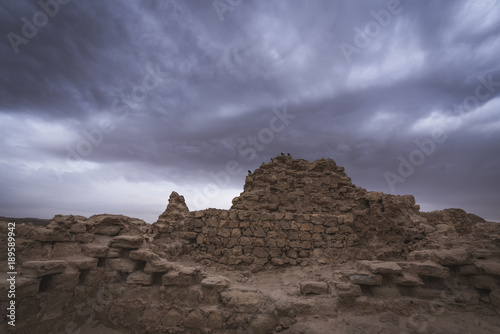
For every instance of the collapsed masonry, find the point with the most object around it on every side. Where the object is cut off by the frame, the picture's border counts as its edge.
(301, 246)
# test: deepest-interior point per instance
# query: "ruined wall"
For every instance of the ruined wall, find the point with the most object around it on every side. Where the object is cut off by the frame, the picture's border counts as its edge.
(190, 272)
(294, 212)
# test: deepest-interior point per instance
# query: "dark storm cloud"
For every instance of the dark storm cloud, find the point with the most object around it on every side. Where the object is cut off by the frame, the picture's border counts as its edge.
(111, 100)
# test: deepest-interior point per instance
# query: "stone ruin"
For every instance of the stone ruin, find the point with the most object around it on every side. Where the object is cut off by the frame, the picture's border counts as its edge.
(301, 250)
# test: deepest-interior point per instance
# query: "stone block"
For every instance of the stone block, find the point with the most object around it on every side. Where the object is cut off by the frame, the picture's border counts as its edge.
(43, 268)
(215, 282)
(159, 266)
(379, 267)
(281, 243)
(277, 261)
(366, 279)
(108, 229)
(82, 263)
(485, 254)
(488, 267)
(485, 282)
(182, 276)
(246, 241)
(190, 235)
(127, 241)
(304, 236)
(78, 228)
(124, 265)
(305, 227)
(259, 242)
(113, 252)
(145, 255)
(318, 229)
(468, 270)
(275, 252)
(232, 242)
(344, 229)
(195, 319)
(429, 269)
(263, 324)
(312, 287)
(215, 320)
(332, 230)
(198, 214)
(173, 318)
(84, 237)
(98, 251)
(260, 252)
(271, 243)
(49, 235)
(408, 279)
(139, 277)
(445, 257)
(347, 290)
(224, 232)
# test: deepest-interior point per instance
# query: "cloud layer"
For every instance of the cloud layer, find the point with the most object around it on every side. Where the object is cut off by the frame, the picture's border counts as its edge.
(110, 106)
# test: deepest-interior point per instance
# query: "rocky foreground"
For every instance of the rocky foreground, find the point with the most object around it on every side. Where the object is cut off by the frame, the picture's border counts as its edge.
(302, 250)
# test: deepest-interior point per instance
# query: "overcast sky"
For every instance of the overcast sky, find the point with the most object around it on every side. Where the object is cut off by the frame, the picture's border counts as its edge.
(109, 106)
